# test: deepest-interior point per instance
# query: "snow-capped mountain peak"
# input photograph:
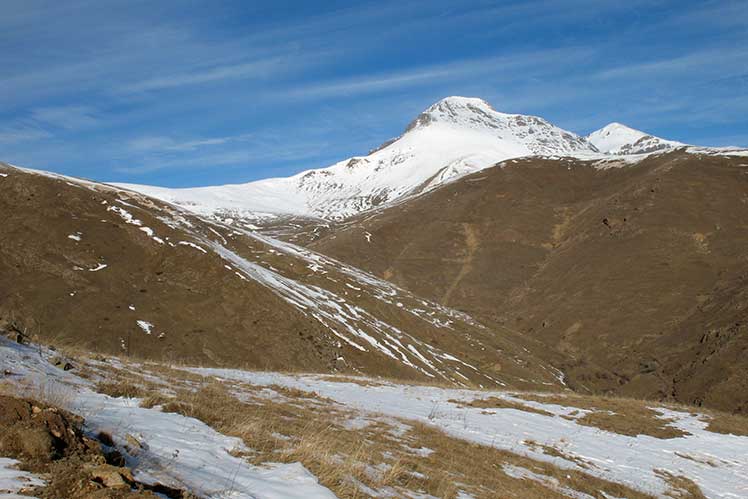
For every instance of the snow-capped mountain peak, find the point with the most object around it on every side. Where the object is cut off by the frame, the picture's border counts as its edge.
(453, 137)
(616, 138)
(472, 113)
(455, 110)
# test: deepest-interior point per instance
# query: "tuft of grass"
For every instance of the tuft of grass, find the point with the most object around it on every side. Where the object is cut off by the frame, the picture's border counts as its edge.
(500, 403)
(43, 390)
(549, 450)
(728, 424)
(680, 486)
(122, 388)
(351, 379)
(618, 415)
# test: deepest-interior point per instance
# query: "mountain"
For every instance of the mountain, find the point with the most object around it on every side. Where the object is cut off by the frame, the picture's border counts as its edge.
(616, 138)
(432, 257)
(453, 137)
(92, 266)
(635, 274)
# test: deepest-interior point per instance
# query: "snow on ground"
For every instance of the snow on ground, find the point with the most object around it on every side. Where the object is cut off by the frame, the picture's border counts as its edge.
(717, 463)
(177, 451)
(12, 480)
(183, 452)
(519, 472)
(192, 245)
(719, 151)
(146, 326)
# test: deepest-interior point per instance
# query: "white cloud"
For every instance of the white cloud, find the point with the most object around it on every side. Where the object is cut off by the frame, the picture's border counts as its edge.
(168, 144)
(65, 117)
(14, 134)
(519, 65)
(205, 75)
(728, 60)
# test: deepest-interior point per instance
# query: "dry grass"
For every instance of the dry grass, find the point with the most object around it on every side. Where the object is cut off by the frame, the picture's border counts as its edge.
(680, 486)
(555, 452)
(299, 427)
(283, 432)
(729, 424)
(618, 415)
(122, 388)
(47, 391)
(351, 379)
(484, 467)
(500, 403)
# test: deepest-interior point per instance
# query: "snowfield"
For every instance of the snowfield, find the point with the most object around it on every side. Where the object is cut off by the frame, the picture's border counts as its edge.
(717, 463)
(185, 453)
(179, 452)
(12, 480)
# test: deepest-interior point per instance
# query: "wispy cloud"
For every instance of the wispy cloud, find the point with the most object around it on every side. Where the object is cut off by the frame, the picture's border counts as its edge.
(247, 155)
(255, 69)
(731, 60)
(168, 144)
(65, 117)
(15, 134)
(521, 65)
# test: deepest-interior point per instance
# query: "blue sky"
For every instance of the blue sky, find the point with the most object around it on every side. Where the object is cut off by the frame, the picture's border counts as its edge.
(205, 92)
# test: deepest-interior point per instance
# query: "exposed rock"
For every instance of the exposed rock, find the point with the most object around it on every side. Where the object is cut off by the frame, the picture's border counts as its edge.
(112, 476)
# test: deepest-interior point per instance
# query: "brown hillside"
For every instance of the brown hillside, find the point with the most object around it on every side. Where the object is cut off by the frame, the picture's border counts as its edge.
(636, 274)
(82, 263)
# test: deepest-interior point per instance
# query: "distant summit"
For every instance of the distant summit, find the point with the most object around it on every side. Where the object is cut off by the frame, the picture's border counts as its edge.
(616, 138)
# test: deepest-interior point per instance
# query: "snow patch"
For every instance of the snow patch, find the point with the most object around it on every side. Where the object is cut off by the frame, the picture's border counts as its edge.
(13, 480)
(146, 326)
(125, 215)
(192, 245)
(181, 452)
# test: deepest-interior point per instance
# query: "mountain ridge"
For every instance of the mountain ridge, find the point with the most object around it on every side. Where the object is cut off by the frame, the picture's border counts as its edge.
(453, 137)
(113, 271)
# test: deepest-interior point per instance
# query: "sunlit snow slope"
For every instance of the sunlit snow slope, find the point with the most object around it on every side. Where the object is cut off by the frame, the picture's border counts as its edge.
(453, 137)
(616, 138)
